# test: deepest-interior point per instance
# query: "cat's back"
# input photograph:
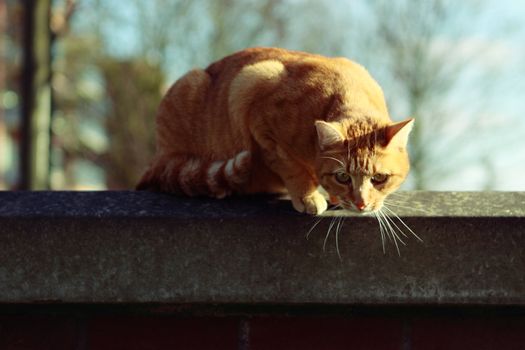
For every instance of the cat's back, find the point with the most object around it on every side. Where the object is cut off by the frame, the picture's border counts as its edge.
(233, 63)
(297, 69)
(291, 60)
(206, 104)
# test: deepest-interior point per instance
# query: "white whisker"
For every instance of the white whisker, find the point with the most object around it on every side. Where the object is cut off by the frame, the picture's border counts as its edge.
(328, 233)
(337, 206)
(389, 228)
(396, 227)
(395, 237)
(313, 227)
(335, 159)
(385, 227)
(381, 231)
(403, 223)
(337, 229)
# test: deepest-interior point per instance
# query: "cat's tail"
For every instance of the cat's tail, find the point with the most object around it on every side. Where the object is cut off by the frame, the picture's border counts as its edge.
(191, 176)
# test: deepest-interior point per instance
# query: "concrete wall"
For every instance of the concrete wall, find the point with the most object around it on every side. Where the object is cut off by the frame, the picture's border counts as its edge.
(100, 247)
(131, 268)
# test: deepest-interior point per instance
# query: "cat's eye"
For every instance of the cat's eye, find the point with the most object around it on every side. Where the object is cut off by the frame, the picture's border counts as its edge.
(378, 179)
(342, 177)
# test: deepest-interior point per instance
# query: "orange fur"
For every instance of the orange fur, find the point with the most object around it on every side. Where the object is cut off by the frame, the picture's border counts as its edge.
(272, 120)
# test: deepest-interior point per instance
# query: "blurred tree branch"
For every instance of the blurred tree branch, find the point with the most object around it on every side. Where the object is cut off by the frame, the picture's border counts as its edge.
(61, 18)
(424, 65)
(134, 90)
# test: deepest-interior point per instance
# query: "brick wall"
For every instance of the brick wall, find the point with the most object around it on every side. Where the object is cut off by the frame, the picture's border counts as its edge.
(416, 331)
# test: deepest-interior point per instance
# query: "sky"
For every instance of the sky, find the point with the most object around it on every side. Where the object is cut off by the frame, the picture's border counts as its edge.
(503, 25)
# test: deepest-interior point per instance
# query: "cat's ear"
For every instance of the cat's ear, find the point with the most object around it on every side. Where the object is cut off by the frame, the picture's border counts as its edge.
(396, 135)
(328, 135)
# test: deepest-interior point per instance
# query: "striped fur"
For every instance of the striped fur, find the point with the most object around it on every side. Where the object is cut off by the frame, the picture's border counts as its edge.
(268, 120)
(191, 176)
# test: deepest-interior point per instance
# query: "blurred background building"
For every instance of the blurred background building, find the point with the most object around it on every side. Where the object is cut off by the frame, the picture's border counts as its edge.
(80, 80)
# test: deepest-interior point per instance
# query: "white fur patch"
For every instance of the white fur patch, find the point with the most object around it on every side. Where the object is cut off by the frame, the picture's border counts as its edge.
(211, 176)
(168, 170)
(186, 175)
(228, 169)
(241, 157)
(240, 163)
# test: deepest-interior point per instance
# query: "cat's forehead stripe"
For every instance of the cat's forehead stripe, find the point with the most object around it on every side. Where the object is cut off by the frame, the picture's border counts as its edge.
(362, 165)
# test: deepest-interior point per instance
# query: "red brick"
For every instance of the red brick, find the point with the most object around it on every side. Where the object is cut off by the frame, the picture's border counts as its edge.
(470, 333)
(37, 333)
(158, 332)
(325, 333)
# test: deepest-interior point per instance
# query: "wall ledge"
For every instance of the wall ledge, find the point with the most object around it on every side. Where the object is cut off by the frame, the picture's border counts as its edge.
(140, 247)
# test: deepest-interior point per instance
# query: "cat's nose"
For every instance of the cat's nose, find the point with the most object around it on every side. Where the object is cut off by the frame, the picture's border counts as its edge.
(360, 205)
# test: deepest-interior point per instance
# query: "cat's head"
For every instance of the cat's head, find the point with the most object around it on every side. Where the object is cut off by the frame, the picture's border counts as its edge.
(360, 165)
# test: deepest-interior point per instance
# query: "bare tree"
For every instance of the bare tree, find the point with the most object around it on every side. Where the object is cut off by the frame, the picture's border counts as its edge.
(415, 49)
(133, 89)
(262, 22)
(162, 25)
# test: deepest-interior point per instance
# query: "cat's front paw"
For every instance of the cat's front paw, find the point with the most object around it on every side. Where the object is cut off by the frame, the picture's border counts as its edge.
(314, 203)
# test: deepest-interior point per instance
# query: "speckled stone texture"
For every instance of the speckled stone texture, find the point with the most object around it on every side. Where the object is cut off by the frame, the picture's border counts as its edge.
(139, 247)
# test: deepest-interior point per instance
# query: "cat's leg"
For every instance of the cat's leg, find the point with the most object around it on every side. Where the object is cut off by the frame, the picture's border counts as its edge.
(298, 180)
(312, 203)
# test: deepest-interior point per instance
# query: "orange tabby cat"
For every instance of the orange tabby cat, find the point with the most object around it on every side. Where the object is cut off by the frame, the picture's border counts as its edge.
(273, 120)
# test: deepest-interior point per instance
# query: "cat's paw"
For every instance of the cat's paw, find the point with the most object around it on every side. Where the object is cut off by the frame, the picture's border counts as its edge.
(314, 203)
